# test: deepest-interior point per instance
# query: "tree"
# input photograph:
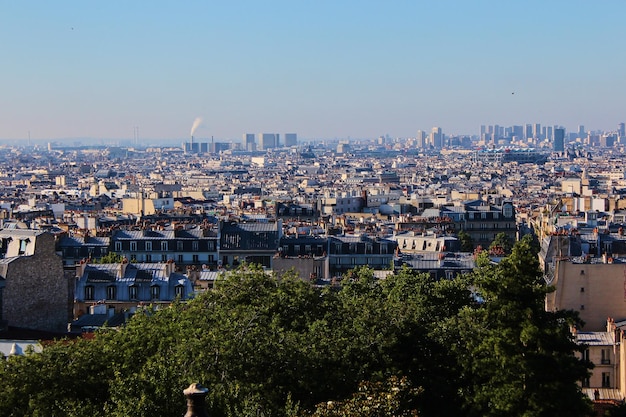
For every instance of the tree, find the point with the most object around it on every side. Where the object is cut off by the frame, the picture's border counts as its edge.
(110, 258)
(501, 245)
(467, 243)
(281, 347)
(394, 397)
(517, 358)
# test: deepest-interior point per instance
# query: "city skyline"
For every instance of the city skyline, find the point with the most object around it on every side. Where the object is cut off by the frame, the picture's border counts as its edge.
(323, 69)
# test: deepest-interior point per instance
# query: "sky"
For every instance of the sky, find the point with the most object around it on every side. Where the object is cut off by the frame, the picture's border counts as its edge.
(323, 69)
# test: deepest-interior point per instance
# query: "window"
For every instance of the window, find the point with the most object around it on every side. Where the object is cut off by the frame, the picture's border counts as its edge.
(133, 292)
(164, 246)
(111, 292)
(582, 306)
(195, 258)
(194, 245)
(118, 246)
(179, 246)
(582, 272)
(296, 249)
(133, 257)
(148, 258)
(180, 259)
(179, 291)
(586, 383)
(155, 292)
(163, 258)
(89, 292)
(133, 246)
(606, 357)
(586, 355)
(148, 246)
(606, 380)
(582, 289)
(507, 210)
(23, 244)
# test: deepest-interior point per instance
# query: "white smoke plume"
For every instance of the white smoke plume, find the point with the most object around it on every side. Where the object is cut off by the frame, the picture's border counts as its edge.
(195, 125)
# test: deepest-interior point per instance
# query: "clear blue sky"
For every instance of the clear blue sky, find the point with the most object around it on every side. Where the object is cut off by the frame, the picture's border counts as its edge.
(322, 69)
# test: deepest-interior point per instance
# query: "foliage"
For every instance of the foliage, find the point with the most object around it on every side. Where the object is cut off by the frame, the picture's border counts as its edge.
(392, 398)
(281, 347)
(110, 258)
(516, 356)
(467, 243)
(501, 245)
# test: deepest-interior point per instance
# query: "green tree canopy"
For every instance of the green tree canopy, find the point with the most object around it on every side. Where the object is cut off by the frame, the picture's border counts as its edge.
(516, 357)
(281, 347)
(467, 243)
(501, 245)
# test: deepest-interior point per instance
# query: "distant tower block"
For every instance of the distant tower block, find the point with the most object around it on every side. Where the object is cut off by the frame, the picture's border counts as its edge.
(249, 142)
(291, 139)
(267, 141)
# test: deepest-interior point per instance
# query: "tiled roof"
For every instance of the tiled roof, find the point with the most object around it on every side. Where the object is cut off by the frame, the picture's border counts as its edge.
(596, 338)
(250, 227)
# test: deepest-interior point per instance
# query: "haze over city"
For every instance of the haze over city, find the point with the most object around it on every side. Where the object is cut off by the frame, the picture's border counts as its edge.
(324, 69)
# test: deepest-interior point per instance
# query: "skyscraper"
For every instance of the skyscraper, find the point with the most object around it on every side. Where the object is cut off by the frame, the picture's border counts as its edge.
(267, 141)
(537, 131)
(581, 132)
(249, 142)
(621, 130)
(421, 139)
(559, 140)
(291, 139)
(436, 137)
(528, 132)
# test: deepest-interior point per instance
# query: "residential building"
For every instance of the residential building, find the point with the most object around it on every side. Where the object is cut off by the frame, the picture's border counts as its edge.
(123, 285)
(251, 242)
(185, 246)
(34, 291)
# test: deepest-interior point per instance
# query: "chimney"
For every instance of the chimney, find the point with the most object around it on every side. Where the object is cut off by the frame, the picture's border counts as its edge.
(196, 397)
(123, 265)
(170, 267)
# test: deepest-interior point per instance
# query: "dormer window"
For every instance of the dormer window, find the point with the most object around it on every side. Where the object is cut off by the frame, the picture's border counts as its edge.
(111, 292)
(179, 291)
(155, 292)
(507, 210)
(23, 244)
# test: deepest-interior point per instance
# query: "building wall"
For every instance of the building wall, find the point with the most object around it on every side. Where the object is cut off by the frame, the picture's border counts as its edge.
(596, 291)
(36, 293)
(306, 268)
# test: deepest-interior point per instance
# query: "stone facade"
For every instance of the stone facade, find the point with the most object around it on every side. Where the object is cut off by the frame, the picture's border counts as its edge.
(36, 292)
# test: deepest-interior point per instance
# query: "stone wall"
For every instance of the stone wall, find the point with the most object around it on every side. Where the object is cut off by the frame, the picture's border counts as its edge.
(36, 294)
